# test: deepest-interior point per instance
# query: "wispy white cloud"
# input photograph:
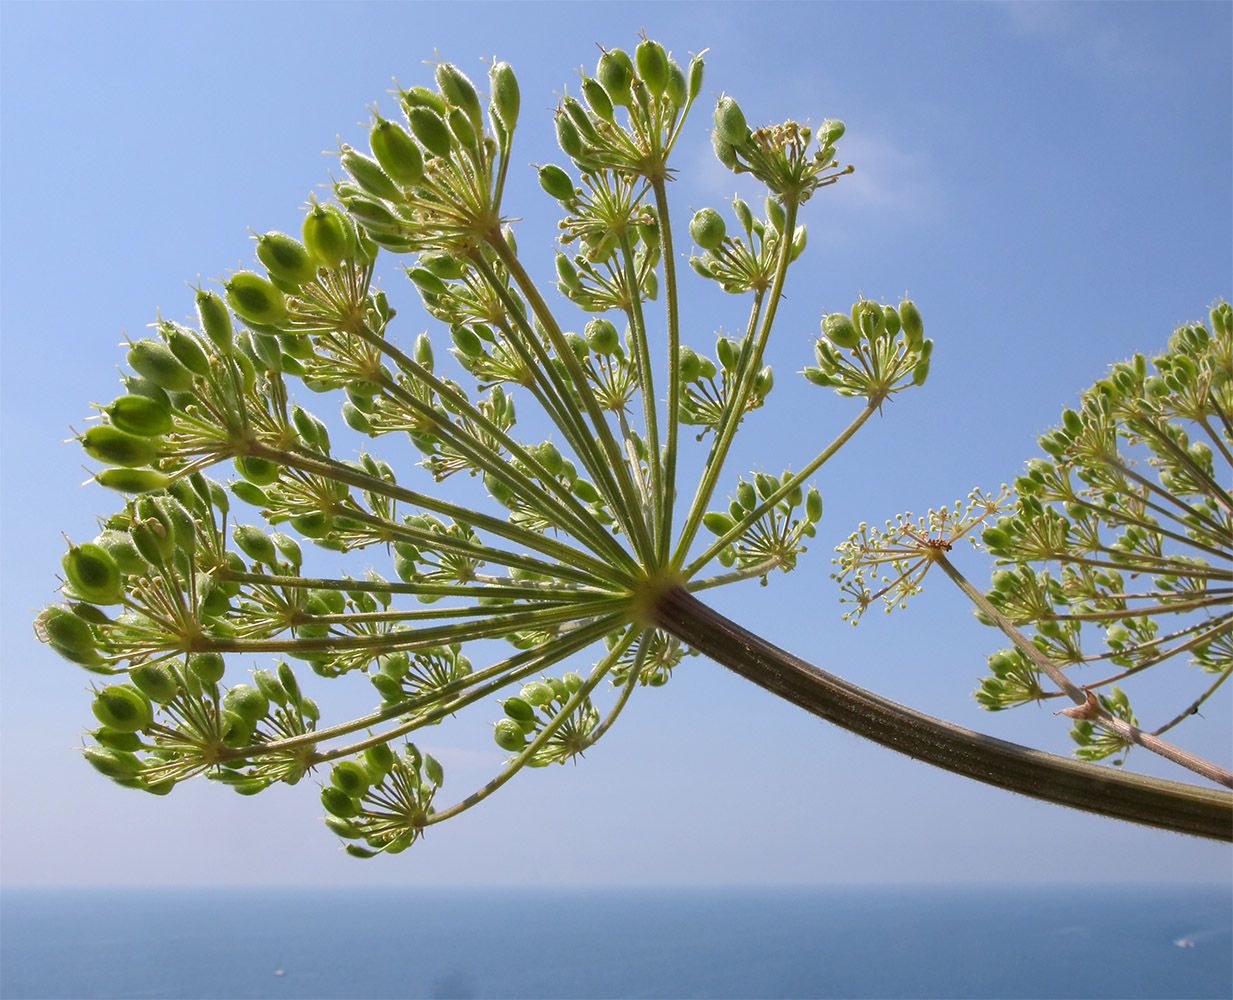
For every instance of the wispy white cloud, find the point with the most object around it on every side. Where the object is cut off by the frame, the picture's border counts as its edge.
(1082, 35)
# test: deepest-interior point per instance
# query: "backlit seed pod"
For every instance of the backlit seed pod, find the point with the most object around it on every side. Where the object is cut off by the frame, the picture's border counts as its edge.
(255, 298)
(429, 128)
(155, 546)
(695, 76)
(255, 544)
(509, 736)
(258, 471)
(132, 480)
(433, 770)
(615, 73)
(397, 153)
(426, 281)
(64, 630)
(728, 352)
(153, 360)
(443, 264)
(459, 91)
(689, 365)
(746, 496)
(339, 803)
(288, 547)
(775, 214)
(467, 343)
(368, 174)
(717, 522)
(327, 236)
(763, 382)
(316, 524)
(215, 319)
(184, 528)
(556, 182)
(597, 98)
(707, 229)
(830, 131)
(913, 327)
(207, 667)
(285, 257)
(567, 135)
(350, 777)
(765, 485)
(725, 152)
(422, 351)
(93, 574)
(246, 702)
(461, 128)
(730, 122)
(156, 681)
(920, 371)
(112, 763)
(122, 708)
(354, 418)
(185, 347)
(518, 710)
(652, 63)
(838, 328)
(139, 415)
(813, 505)
(536, 693)
(677, 90)
(503, 89)
(105, 443)
(379, 759)
(123, 742)
(602, 337)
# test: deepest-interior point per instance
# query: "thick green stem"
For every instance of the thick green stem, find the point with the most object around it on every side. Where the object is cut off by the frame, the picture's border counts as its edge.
(1170, 805)
(667, 255)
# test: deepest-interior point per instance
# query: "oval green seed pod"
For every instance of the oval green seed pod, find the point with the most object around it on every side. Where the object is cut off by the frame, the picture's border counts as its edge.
(255, 299)
(397, 153)
(316, 524)
(255, 544)
(597, 98)
(602, 337)
(327, 236)
(122, 708)
(93, 574)
(556, 182)
(339, 803)
(813, 505)
(503, 89)
(920, 372)
(518, 710)
(139, 415)
(379, 759)
(567, 135)
(689, 367)
(246, 702)
(615, 73)
(707, 229)
(652, 63)
(105, 443)
(112, 763)
(728, 352)
(913, 327)
(725, 152)
(153, 360)
(285, 258)
(509, 736)
(717, 522)
(123, 742)
(730, 122)
(132, 480)
(838, 329)
(369, 175)
(287, 547)
(215, 319)
(696, 66)
(458, 90)
(466, 341)
(431, 131)
(156, 681)
(258, 471)
(185, 348)
(64, 630)
(536, 693)
(207, 667)
(677, 91)
(354, 418)
(350, 777)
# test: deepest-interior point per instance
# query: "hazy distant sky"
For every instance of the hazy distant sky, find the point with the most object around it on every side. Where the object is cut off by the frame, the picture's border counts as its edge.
(1051, 184)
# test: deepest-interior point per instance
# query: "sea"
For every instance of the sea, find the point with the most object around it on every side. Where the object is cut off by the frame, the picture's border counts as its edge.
(992, 942)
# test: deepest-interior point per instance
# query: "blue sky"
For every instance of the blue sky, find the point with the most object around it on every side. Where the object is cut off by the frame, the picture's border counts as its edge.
(1050, 183)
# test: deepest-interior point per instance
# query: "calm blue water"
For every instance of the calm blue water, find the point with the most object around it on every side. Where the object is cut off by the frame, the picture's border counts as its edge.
(991, 942)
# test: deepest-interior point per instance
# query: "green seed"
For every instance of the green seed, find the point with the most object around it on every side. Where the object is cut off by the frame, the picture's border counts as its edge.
(246, 702)
(105, 443)
(285, 258)
(339, 803)
(327, 235)
(813, 505)
(350, 777)
(503, 88)
(677, 90)
(112, 763)
(93, 574)
(518, 710)
(431, 131)
(509, 736)
(913, 327)
(155, 681)
(258, 471)
(838, 328)
(730, 122)
(215, 319)
(707, 229)
(255, 544)
(139, 415)
(597, 98)
(132, 480)
(717, 522)
(255, 299)
(397, 153)
(64, 630)
(652, 62)
(153, 360)
(122, 708)
(207, 667)
(556, 182)
(615, 73)
(459, 91)
(567, 135)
